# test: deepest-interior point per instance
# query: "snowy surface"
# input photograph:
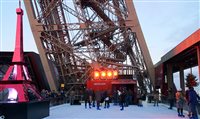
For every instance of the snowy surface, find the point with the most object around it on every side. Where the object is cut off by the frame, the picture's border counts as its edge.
(148, 111)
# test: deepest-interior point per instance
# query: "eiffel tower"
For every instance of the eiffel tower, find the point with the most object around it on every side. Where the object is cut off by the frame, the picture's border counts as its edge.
(75, 36)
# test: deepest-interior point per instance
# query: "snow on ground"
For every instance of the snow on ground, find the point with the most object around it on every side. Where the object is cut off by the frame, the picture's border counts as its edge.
(148, 111)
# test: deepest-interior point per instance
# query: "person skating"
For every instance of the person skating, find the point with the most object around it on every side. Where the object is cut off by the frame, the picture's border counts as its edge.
(98, 99)
(193, 101)
(187, 99)
(106, 100)
(87, 99)
(122, 99)
(180, 101)
(156, 98)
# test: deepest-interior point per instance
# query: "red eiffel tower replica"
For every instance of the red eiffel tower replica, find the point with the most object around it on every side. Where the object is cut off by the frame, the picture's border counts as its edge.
(17, 81)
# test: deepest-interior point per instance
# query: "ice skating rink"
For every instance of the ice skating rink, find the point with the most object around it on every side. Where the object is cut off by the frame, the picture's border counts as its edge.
(148, 111)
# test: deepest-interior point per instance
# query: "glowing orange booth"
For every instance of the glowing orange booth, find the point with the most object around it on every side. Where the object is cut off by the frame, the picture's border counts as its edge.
(102, 80)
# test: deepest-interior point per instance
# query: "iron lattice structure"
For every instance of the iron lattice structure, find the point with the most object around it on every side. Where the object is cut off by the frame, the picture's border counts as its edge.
(77, 36)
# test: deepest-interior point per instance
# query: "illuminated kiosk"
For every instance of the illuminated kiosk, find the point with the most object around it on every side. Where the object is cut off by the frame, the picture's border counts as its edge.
(109, 80)
(19, 98)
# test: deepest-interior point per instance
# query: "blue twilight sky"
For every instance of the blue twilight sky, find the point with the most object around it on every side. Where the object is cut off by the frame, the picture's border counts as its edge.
(165, 23)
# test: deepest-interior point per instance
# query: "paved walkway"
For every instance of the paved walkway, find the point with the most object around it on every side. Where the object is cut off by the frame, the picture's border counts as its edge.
(148, 111)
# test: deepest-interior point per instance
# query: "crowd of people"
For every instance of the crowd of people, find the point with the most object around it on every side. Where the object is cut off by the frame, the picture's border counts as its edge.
(122, 97)
(184, 100)
(189, 100)
(54, 97)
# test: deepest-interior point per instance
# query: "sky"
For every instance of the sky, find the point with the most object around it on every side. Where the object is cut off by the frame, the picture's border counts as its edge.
(165, 23)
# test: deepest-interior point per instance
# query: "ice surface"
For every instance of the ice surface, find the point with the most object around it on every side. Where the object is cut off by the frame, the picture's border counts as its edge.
(148, 111)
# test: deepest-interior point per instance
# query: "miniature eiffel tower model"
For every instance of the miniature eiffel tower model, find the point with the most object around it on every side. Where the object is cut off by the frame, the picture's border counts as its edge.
(17, 80)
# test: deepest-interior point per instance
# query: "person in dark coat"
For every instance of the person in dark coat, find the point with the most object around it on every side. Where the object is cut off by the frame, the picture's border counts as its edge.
(98, 99)
(122, 99)
(193, 101)
(93, 99)
(171, 97)
(86, 98)
(115, 97)
(106, 99)
(130, 96)
(90, 93)
(187, 99)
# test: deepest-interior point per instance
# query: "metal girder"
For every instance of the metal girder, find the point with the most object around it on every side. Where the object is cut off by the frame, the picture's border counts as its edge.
(75, 34)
